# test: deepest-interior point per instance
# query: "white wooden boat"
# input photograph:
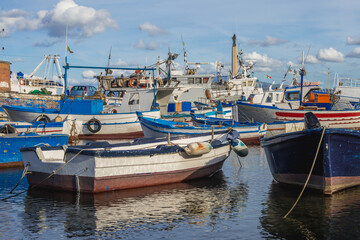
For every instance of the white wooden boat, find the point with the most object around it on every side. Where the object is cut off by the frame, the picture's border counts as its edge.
(100, 166)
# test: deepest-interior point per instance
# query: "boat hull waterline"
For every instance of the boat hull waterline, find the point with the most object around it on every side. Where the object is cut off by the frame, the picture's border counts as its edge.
(290, 157)
(99, 170)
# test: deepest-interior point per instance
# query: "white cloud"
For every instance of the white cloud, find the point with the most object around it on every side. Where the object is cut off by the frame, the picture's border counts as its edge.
(263, 69)
(149, 46)
(47, 43)
(85, 81)
(120, 62)
(263, 63)
(331, 55)
(151, 29)
(268, 41)
(16, 60)
(352, 41)
(82, 21)
(292, 65)
(88, 74)
(355, 53)
(17, 19)
(309, 59)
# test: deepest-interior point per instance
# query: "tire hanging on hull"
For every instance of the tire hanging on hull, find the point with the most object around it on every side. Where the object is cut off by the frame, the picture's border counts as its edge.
(93, 122)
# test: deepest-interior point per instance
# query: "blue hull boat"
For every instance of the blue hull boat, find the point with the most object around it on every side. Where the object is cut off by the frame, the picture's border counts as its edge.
(10, 145)
(291, 155)
(158, 128)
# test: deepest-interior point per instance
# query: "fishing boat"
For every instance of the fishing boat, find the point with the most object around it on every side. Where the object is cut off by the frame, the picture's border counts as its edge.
(69, 127)
(333, 151)
(44, 85)
(250, 132)
(275, 128)
(262, 107)
(15, 90)
(99, 121)
(114, 122)
(332, 119)
(348, 89)
(10, 145)
(279, 127)
(327, 113)
(100, 166)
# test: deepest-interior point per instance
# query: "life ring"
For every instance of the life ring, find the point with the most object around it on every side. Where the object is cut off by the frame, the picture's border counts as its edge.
(93, 122)
(22, 82)
(133, 83)
(114, 111)
(6, 129)
(42, 118)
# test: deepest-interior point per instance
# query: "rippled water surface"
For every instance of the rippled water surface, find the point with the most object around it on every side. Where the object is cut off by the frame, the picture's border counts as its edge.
(240, 202)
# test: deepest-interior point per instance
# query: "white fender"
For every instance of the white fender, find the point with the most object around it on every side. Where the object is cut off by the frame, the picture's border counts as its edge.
(197, 148)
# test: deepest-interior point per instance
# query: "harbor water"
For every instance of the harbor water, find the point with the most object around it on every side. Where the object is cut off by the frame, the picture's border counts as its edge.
(239, 202)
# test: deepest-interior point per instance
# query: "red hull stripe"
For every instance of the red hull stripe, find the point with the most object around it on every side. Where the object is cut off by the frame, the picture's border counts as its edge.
(319, 115)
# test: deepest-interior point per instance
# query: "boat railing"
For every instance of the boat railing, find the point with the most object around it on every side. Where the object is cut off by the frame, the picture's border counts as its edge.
(346, 82)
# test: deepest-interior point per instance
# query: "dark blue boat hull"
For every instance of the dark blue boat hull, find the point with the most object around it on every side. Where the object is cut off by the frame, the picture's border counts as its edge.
(291, 155)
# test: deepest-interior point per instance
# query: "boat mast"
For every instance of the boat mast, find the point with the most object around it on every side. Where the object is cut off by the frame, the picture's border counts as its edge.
(302, 74)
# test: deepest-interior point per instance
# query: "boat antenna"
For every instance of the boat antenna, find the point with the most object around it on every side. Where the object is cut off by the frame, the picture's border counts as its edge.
(66, 44)
(284, 78)
(185, 60)
(107, 70)
(329, 79)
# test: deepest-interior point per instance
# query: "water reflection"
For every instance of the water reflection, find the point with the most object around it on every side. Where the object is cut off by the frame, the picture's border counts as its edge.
(315, 217)
(202, 202)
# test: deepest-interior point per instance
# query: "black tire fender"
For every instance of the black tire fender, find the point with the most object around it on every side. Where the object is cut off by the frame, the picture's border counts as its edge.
(42, 118)
(91, 122)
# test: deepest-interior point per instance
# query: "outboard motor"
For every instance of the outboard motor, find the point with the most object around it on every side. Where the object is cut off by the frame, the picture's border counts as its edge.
(311, 121)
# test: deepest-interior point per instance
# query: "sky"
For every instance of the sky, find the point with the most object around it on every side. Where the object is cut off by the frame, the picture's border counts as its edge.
(273, 33)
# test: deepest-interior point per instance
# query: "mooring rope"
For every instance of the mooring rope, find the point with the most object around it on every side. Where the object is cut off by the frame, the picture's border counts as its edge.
(22, 176)
(53, 173)
(308, 178)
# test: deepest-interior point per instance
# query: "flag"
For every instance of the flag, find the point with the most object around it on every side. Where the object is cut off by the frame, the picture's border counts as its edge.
(68, 49)
(267, 76)
(184, 44)
(289, 69)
